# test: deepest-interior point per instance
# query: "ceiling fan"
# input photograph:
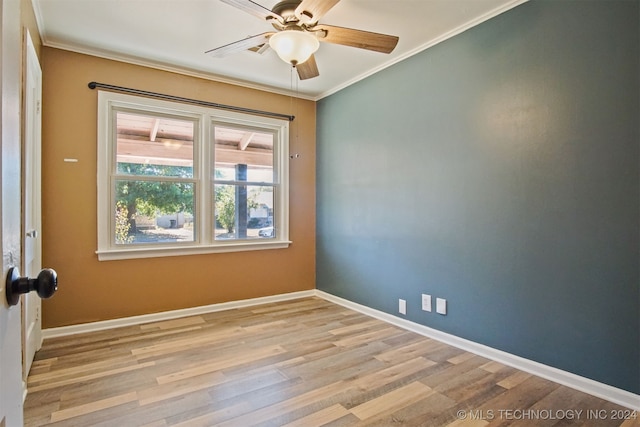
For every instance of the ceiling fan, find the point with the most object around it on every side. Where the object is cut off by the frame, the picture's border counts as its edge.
(298, 33)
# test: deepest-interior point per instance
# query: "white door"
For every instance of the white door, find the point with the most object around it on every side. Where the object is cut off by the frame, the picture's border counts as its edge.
(10, 216)
(32, 256)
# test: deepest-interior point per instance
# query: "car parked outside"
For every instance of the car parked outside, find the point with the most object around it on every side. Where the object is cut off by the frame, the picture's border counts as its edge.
(267, 232)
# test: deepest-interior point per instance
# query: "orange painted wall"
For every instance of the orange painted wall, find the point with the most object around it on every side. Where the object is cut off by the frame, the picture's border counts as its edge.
(91, 290)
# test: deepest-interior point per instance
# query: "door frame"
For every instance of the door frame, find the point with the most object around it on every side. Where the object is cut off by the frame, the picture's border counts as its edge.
(31, 202)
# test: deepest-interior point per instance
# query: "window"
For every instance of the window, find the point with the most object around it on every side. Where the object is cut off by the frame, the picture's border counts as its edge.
(176, 179)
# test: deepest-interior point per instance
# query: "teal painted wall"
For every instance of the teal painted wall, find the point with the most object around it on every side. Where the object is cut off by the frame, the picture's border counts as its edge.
(499, 170)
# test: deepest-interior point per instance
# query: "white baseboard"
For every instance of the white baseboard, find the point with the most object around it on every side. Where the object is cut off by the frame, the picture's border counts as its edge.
(168, 315)
(586, 385)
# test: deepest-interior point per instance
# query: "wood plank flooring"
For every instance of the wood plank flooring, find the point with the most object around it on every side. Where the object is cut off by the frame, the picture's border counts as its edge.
(303, 363)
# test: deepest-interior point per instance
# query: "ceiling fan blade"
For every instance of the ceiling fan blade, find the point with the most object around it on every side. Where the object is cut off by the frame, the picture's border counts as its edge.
(310, 11)
(240, 45)
(261, 49)
(308, 69)
(356, 38)
(254, 9)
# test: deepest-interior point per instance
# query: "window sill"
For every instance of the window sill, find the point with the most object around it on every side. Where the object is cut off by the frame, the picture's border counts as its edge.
(170, 251)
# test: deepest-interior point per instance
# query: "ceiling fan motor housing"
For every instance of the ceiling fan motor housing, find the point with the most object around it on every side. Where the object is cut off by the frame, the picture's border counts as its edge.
(287, 9)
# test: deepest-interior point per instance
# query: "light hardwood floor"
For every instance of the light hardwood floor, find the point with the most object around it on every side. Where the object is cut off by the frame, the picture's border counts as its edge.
(305, 362)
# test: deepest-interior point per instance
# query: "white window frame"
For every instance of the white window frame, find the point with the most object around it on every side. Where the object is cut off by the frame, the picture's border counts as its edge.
(204, 152)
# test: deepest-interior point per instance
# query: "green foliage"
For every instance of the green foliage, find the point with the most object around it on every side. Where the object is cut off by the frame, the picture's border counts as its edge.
(152, 197)
(154, 170)
(149, 198)
(122, 225)
(226, 206)
(251, 198)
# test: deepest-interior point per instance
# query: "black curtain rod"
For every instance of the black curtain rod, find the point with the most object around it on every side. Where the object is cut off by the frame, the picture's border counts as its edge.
(93, 85)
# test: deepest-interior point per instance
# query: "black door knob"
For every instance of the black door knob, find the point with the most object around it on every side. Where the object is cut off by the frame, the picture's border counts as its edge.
(46, 284)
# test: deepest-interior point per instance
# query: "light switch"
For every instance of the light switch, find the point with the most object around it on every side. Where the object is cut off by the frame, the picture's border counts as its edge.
(426, 302)
(441, 306)
(402, 306)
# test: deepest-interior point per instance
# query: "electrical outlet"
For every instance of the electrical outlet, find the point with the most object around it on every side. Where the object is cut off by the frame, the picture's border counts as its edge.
(441, 306)
(402, 306)
(426, 302)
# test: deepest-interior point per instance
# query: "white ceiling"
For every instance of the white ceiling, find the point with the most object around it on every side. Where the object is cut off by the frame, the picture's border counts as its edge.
(174, 34)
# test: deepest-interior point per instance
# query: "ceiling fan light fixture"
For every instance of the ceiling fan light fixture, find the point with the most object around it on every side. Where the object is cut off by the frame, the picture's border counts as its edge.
(294, 46)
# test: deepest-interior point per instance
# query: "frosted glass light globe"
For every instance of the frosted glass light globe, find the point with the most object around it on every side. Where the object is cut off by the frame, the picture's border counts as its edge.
(294, 46)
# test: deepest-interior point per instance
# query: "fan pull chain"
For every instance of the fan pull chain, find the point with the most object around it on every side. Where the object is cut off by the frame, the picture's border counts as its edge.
(297, 80)
(291, 75)
(294, 104)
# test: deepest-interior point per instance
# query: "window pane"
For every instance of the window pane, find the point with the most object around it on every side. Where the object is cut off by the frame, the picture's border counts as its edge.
(154, 146)
(244, 212)
(153, 212)
(243, 147)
